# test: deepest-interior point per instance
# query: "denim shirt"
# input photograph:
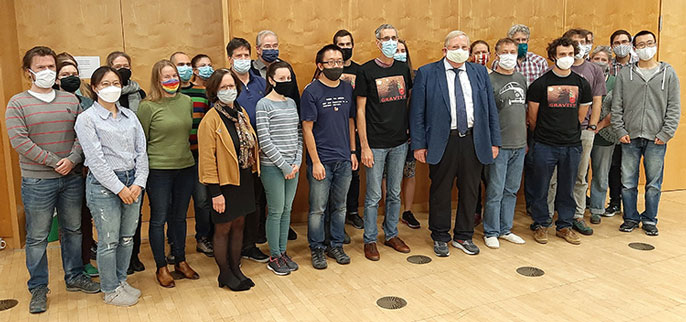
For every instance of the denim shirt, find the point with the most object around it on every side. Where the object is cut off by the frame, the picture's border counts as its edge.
(112, 144)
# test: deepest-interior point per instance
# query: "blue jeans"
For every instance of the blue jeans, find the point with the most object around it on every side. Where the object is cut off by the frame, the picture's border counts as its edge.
(41, 197)
(601, 160)
(116, 224)
(393, 159)
(503, 179)
(545, 158)
(653, 161)
(280, 194)
(169, 192)
(201, 205)
(331, 191)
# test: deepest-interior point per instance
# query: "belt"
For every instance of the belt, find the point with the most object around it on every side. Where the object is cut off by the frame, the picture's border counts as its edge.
(456, 133)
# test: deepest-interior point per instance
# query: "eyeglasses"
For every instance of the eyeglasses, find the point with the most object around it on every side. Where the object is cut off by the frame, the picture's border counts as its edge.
(642, 45)
(387, 38)
(270, 46)
(333, 63)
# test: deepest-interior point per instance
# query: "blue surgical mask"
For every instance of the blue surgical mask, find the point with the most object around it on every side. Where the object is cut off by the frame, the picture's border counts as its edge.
(270, 55)
(205, 71)
(185, 72)
(389, 47)
(522, 49)
(400, 57)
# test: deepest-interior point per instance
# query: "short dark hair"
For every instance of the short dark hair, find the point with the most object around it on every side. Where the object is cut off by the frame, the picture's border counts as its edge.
(319, 58)
(36, 51)
(342, 33)
(617, 33)
(575, 32)
(198, 57)
(97, 76)
(562, 41)
(642, 33)
(476, 42)
(212, 84)
(236, 43)
(504, 41)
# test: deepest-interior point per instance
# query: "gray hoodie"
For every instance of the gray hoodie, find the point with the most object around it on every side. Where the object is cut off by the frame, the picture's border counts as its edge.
(646, 109)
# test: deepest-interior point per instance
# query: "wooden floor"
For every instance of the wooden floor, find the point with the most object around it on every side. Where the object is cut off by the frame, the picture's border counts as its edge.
(602, 279)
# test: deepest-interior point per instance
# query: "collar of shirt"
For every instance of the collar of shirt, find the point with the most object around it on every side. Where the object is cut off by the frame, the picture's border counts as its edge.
(448, 67)
(105, 113)
(258, 64)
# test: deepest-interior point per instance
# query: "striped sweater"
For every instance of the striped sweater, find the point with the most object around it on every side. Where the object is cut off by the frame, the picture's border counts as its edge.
(200, 106)
(43, 133)
(279, 134)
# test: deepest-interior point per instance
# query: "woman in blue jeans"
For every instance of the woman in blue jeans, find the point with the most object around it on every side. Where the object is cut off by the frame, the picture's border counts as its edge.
(280, 139)
(115, 149)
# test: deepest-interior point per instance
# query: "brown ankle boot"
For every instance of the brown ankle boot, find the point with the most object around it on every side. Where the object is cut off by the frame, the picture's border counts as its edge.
(186, 270)
(164, 277)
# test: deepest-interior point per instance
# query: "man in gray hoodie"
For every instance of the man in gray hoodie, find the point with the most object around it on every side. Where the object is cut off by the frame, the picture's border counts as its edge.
(645, 115)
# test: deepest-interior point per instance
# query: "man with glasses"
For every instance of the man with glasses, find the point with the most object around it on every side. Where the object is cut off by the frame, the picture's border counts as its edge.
(530, 65)
(645, 114)
(383, 91)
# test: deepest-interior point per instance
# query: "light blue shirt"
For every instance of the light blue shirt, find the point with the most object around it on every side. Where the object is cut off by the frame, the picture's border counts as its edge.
(112, 144)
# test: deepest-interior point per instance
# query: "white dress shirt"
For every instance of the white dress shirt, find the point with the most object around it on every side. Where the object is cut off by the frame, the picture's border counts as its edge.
(466, 92)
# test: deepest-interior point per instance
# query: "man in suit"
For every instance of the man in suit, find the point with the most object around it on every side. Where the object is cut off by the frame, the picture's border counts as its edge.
(454, 127)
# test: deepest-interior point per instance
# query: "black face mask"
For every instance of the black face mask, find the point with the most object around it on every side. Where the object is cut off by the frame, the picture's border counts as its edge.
(125, 75)
(347, 53)
(70, 83)
(284, 88)
(333, 74)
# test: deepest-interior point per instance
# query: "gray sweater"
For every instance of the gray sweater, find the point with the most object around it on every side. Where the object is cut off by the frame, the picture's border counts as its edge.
(646, 108)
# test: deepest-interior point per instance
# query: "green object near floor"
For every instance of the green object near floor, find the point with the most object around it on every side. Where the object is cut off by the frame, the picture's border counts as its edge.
(54, 230)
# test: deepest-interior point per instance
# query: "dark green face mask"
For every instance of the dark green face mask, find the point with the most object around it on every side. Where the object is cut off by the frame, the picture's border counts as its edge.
(522, 49)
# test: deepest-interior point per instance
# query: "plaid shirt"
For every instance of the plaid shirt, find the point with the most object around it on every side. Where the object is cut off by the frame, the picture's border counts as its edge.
(532, 67)
(615, 67)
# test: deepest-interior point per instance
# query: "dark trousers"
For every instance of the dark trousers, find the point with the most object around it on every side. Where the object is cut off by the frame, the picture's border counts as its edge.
(353, 199)
(255, 222)
(528, 171)
(615, 177)
(459, 161)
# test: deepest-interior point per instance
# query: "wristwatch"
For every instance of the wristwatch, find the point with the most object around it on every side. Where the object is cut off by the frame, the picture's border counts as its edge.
(592, 127)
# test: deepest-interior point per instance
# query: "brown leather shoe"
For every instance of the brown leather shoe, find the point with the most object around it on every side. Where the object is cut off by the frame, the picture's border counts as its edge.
(164, 277)
(569, 235)
(397, 244)
(186, 270)
(371, 252)
(541, 235)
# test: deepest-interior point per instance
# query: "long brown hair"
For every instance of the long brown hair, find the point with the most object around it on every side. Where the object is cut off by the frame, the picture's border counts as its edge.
(156, 91)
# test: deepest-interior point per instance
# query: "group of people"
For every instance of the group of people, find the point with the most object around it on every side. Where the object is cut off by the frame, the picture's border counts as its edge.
(232, 139)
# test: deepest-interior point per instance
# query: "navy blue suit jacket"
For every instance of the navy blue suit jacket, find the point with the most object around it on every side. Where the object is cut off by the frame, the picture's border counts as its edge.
(430, 112)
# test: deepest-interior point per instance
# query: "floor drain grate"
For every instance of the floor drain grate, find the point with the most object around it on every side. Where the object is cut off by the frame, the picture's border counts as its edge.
(8, 304)
(419, 259)
(530, 271)
(391, 302)
(641, 246)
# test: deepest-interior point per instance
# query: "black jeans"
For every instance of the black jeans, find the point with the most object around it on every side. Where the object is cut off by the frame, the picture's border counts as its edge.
(255, 222)
(352, 203)
(459, 161)
(615, 177)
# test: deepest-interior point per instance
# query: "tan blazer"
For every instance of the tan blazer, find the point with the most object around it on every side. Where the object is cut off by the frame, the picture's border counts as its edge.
(217, 159)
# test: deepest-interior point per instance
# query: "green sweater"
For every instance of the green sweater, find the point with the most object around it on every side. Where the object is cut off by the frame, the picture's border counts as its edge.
(167, 124)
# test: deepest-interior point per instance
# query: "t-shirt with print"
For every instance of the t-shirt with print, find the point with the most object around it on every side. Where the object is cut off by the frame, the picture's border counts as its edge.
(559, 99)
(387, 91)
(330, 109)
(596, 78)
(350, 73)
(510, 98)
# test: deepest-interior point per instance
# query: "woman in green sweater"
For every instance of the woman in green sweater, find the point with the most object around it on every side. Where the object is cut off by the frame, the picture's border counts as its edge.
(166, 117)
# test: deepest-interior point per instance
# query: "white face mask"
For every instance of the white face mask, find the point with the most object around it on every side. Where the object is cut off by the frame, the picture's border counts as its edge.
(507, 61)
(110, 94)
(457, 55)
(227, 96)
(622, 50)
(44, 78)
(565, 63)
(646, 53)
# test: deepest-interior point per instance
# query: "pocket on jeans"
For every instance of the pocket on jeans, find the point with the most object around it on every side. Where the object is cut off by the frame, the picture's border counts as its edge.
(31, 181)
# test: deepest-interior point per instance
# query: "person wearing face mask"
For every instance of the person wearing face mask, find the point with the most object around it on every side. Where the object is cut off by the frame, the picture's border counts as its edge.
(382, 88)
(645, 114)
(557, 102)
(40, 125)
(114, 147)
(505, 174)
(202, 69)
(166, 117)
(454, 127)
(267, 48)
(83, 89)
(281, 145)
(131, 93)
(229, 155)
(328, 123)
(530, 65)
(481, 53)
(620, 40)
(201, 204)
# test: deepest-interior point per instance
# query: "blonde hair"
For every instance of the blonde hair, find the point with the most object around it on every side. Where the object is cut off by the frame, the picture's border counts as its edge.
(156, 91)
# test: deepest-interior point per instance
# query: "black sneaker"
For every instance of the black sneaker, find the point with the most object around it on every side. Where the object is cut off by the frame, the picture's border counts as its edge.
(255, 254)
(84, 284)
(353, 219)
(628, 226)
(318, 259)
(292, 265)
(441, 249)
(39, 299)
(205, 246)
(409, 219)
(135, 265)
(278, 266)
(467, 246)
(650, 229)
(339, 255)
(292, 235)
(94, 251)
(612, 210)
(346, 238)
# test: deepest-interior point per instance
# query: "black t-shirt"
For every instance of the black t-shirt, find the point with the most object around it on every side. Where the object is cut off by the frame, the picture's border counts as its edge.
(559, 99)
(387, 92)
(350, 73)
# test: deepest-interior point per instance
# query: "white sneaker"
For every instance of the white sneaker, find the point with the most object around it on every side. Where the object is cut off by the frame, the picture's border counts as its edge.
(130, 289)
(513, 238)
(120, 297)
(491, 242)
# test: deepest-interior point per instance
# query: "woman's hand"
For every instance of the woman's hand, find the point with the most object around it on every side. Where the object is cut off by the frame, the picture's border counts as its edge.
(218, 204)
(126, 196)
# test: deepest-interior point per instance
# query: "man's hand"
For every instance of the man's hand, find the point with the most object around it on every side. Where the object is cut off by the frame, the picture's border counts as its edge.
(64, 166)
(367, 157)
(420, 155)
(218, 204)
(126, 196)
(625, 139)
(318, 171)
(495, 151)
(353, 160)
(659, 142)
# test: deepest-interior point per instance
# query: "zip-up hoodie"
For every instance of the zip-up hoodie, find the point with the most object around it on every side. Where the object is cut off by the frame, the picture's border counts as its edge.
(646, 108)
